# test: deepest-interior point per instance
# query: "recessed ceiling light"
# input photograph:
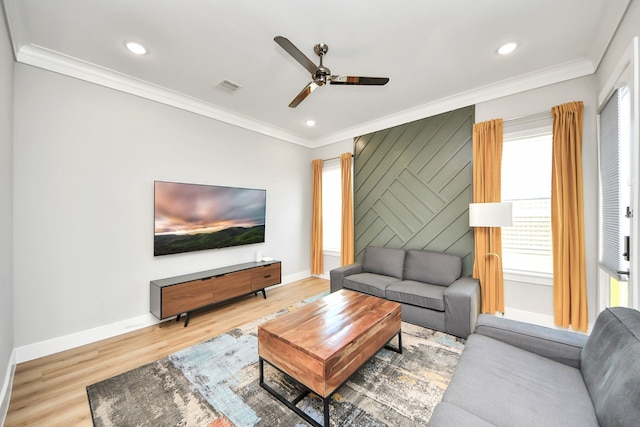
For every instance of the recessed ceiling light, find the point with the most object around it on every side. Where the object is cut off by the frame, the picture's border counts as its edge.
(310, 123)
(136, 48)
(507, 48)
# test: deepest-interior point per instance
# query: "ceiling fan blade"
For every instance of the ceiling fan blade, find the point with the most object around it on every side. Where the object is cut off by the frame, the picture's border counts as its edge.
(303, 94)
(296, 54)
(358, 80)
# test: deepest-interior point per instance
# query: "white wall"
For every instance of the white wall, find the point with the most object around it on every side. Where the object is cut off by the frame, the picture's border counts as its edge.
(6, 217)
(85, 161)
(535, 298)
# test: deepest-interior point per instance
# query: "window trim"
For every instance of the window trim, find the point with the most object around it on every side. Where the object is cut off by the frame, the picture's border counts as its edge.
(528, 127)
(330, 165)
(528, 277)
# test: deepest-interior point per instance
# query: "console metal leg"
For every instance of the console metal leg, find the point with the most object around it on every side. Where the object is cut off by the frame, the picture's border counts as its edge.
(264, 293)
(186, 319)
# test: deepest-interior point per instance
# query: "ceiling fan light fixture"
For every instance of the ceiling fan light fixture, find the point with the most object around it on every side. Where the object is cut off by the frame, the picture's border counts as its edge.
(310, 123)
(136, 48)
(507, 48)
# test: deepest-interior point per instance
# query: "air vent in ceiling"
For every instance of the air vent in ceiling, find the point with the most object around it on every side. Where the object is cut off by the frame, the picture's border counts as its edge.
(228, 86)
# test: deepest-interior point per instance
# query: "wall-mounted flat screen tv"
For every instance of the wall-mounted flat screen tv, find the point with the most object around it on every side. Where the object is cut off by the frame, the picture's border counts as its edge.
(195, 217)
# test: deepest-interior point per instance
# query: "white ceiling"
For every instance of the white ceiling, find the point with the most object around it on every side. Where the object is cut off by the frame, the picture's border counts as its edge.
(439, 55)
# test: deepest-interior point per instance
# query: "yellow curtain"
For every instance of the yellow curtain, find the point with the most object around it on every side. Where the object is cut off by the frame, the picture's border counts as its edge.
(317, 261)
(487, 162)
(346, 249)
(567, 218)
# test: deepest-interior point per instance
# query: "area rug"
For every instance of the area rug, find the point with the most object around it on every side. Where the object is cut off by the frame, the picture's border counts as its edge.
(216, 384)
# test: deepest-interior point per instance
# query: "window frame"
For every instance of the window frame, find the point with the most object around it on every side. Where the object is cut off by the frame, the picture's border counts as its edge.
(514, 130)
(331, 165)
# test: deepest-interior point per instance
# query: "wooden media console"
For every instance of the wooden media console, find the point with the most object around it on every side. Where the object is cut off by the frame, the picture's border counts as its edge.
(185, 294)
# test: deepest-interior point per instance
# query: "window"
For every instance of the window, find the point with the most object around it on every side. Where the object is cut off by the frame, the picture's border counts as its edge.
(526, 182)
(615, 194)
(615, 179)
(618, 144)
(331, 205)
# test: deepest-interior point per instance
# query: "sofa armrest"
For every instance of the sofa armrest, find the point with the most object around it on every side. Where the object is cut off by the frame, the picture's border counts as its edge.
(462, 306)
(561, 346)
(337, 275)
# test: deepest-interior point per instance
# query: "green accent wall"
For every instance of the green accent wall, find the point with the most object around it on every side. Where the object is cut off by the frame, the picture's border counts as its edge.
(413, 186)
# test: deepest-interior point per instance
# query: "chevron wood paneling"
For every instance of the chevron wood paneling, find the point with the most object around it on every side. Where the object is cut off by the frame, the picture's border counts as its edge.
(413, 186)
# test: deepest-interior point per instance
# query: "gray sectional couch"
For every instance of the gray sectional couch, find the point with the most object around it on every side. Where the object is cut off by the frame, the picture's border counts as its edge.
(426, 283)
(516, 374)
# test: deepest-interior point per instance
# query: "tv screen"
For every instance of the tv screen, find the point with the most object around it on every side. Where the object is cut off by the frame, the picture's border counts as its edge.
(195, 217)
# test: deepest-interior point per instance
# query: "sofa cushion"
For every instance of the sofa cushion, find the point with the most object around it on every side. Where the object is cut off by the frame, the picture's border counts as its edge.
(435, 268)
(369, 283)
(387, 261)
(418, 294)
(610, 364)
(508, 386)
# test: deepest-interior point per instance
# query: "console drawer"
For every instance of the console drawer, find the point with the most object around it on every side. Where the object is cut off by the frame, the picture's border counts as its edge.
(268, 275)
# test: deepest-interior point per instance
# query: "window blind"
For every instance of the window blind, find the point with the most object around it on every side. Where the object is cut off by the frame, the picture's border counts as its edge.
(612, 240)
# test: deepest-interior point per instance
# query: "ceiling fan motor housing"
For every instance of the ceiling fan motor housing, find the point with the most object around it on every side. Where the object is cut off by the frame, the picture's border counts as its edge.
(322, 75)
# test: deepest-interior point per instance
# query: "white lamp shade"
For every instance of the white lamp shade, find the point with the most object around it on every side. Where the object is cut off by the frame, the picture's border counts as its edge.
(490, 214)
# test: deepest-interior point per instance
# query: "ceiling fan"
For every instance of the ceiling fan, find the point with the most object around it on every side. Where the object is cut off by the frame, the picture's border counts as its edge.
(320, 74)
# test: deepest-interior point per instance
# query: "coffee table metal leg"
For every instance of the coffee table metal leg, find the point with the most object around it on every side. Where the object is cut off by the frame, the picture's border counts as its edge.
(399, 349)
(292, 404)
(325, 401)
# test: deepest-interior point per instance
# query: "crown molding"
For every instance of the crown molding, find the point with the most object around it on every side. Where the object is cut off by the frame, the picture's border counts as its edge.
(608, 25)
(56, 62)
(511, 86)
(53, 61)
(18, 28)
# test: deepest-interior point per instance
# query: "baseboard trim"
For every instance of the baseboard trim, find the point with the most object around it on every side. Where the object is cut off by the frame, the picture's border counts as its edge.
(529, 317)
(5, 393)
(295, 277)
(67, 342)
(89, 336)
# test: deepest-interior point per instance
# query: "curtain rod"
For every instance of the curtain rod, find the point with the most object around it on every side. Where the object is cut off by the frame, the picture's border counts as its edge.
(332, 158)
(540, 115)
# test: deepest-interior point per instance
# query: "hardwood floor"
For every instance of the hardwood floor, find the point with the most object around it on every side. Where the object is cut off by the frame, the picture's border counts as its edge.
(51, 390)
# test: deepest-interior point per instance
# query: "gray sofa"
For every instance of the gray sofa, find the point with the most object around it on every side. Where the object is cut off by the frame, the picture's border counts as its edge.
(426, 283)
(516, 374)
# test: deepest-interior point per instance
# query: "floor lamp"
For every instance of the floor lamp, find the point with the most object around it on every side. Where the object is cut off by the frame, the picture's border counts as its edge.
(491, 215)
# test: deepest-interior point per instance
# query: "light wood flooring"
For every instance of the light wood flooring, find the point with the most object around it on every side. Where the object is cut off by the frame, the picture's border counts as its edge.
(51, 391)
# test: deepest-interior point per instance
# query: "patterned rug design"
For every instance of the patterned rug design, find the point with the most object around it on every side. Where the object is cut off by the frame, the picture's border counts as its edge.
(215, 384)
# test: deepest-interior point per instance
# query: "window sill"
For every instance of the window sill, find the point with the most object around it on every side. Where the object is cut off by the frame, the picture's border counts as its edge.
(331, 253)
(528, 277)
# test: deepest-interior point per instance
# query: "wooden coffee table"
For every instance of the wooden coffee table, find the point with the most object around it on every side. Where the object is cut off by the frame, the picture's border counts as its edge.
(323, 343)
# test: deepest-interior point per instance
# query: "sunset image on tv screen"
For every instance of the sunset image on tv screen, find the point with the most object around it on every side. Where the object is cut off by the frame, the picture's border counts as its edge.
(193, 217)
